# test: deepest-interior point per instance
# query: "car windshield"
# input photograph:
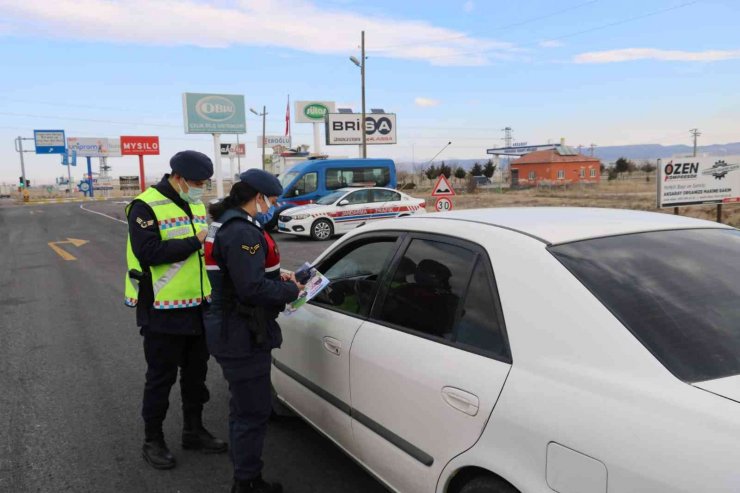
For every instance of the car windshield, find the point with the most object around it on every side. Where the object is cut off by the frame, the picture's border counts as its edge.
(676, 291)
(331, 198)
(286, 178)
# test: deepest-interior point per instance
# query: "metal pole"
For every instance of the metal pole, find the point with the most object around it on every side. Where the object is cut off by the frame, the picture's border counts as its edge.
(238, 158)
(90, 191)
(142, 178)
(264, 114)
(217, 163)
(719, 213)
(362, 70)
(69, 175)
(19, 148)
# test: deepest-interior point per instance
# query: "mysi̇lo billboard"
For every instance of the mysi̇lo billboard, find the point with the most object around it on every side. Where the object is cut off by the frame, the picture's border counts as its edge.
(214, 113)
(346, 129)
(139, 145)
(697, 181)
(313, 111)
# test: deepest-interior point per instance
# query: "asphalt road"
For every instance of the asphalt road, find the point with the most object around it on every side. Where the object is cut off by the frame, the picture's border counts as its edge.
(72, 372)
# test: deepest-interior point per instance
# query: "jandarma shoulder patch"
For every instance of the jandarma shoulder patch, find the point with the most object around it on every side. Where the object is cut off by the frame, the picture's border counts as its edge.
(251, 249)
(144, 224)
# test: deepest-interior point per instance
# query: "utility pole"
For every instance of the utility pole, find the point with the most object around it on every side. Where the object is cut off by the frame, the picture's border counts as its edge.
(238, 156)
(695, 133)
(362, 70)
(19, 149)
(593, 146)
(263, 115)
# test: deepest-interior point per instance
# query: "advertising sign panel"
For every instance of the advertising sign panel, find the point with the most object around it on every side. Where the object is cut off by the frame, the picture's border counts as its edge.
(344, 129)
(214, 113)
(698, 180)
(313, 111)
(129, 182)
(112, 147)
(88, 146)
(139, 145)
(230, 149)
(273, 140)
(49, 141)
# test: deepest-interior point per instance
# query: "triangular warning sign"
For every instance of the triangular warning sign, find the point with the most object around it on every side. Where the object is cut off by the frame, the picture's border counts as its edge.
(443, 188)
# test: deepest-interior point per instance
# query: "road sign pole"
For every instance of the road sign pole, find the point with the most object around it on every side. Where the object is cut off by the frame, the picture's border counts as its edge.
(238, 157)
(69, 175)
(316, 137)
(89, 176)
(217, 163)
(142, 180)
(19, 148)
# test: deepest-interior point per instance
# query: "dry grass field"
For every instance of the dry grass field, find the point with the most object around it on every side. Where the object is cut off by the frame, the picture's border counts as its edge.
(632, 193)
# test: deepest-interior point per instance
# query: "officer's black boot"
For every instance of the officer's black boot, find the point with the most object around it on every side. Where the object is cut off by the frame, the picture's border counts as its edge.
(256, 485)
(196, 437)
(156, 453)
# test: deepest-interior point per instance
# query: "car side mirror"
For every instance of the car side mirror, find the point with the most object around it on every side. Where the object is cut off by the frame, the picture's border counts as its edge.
(343, 202)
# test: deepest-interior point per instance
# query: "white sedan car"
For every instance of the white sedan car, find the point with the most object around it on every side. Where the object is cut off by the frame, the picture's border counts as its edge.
(526, 350)
(346, 209)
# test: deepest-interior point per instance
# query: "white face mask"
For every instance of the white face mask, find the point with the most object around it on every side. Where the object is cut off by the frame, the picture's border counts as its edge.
(259, 207)
(193, 196)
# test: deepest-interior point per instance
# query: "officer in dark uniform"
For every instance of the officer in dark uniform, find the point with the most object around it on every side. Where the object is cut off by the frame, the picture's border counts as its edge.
(173, 337)
(248, 294)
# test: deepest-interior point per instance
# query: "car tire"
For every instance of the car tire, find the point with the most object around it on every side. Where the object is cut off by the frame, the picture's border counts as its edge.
(322, 230)
(488, 484)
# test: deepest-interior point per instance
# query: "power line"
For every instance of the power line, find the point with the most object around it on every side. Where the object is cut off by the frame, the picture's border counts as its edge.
(500, 28)
(578, 33)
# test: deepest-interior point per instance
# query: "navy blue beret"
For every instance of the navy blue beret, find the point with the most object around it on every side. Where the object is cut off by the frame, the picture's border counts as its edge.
(192, 165)
(262, 181)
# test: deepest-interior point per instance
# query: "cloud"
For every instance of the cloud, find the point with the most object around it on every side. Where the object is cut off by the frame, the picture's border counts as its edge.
(551, 43)
(291, 24)
(469, 6)
(426, 102)
(631, 54)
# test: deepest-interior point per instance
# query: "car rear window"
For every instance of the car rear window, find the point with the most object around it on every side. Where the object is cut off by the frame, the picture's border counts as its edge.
(678, 292)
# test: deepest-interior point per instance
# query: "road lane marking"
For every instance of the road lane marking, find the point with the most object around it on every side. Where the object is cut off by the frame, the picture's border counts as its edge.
(63, 253)
(82, 206)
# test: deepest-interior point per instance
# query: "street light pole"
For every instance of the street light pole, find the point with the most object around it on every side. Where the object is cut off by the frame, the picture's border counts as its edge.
(263, 115)
(362, 71)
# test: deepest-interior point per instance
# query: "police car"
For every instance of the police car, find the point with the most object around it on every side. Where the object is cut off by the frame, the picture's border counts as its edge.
(525, 350)
(346, 209)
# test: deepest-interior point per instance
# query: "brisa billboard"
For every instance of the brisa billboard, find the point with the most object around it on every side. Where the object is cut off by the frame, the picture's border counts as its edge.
(345, 129)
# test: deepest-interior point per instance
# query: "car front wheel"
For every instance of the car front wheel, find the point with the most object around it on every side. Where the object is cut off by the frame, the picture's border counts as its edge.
(322, 230)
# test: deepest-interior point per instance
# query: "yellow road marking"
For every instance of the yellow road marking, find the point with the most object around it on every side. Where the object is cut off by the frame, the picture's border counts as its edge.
(62, 253)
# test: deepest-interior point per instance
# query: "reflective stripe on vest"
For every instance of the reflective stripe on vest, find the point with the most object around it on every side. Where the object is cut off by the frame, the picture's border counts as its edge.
(180, 284)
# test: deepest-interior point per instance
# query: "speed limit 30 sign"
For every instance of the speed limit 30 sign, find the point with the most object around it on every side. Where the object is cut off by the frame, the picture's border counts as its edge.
(443, 204)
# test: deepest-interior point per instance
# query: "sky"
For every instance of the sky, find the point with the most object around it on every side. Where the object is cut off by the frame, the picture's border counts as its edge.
(604, 72)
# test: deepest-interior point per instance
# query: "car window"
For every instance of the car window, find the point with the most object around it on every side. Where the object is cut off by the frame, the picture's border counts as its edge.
(307, 184)
(427, 286)
(385, 196)
(330, 199)
(359, 197)
(676, 291)
(354, 275)
(479, 326)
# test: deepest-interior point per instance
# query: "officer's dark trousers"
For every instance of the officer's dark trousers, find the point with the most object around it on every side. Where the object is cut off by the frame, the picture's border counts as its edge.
(165, 354)
(250, 407)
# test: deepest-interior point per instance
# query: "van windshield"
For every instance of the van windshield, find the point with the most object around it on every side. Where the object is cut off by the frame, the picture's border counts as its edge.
(286, 178)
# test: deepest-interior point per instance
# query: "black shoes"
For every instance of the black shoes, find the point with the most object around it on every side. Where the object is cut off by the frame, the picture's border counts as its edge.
(156, 453)
(201, 439)
(257, 485)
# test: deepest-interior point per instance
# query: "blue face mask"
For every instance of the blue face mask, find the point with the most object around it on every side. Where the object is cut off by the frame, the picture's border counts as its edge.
(193, 196)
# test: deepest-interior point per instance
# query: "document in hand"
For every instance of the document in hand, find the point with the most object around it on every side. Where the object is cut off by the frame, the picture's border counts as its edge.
(315, 284)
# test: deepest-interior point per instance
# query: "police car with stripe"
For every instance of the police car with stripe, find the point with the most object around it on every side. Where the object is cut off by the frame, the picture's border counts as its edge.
(346, 209)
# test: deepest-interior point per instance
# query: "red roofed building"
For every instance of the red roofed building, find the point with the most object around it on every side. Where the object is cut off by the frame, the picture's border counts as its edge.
(560, 165)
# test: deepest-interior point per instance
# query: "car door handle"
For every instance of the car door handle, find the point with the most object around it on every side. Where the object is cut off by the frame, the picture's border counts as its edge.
(462, 401)
(332, 345)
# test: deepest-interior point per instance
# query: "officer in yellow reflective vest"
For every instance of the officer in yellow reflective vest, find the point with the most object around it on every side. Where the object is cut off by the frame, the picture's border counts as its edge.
(166, 281)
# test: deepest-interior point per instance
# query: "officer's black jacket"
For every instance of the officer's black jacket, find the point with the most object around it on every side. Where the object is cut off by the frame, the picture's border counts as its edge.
(150, 249)
(239, 249)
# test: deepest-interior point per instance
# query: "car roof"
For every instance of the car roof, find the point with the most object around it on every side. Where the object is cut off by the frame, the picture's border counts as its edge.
(311, 164)
(554, 225)
(350, 189)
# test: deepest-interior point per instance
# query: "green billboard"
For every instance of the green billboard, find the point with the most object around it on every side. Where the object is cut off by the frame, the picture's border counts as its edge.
(213, 113)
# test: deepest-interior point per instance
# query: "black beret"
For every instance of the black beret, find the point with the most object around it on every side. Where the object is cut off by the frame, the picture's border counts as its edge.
(262, 181)
(192, 165)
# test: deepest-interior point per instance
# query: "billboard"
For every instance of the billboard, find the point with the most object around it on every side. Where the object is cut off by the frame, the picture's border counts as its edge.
(139, 145)
(698, 181)
(49, 141)
(88, 146)
(273, 140)
(313, 111)
(129, 182)
(213, 113)
(345, 129)
(229, 149)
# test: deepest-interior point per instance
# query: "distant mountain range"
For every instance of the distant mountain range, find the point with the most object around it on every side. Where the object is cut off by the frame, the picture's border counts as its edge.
(609, 154)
